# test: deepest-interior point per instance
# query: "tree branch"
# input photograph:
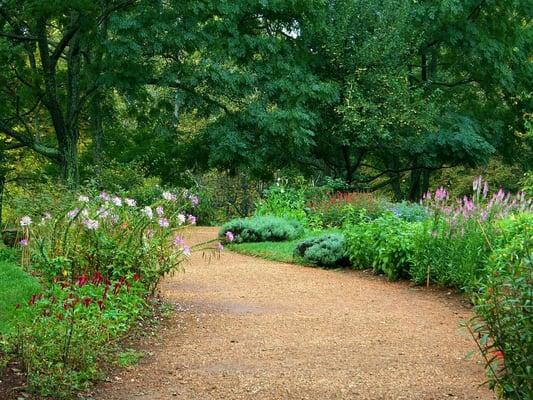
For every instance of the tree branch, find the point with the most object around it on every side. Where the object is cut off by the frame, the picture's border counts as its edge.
(29, 142)
(20, 38)
(65, 40)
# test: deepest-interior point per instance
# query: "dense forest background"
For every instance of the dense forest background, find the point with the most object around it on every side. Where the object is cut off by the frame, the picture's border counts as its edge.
(390, 95)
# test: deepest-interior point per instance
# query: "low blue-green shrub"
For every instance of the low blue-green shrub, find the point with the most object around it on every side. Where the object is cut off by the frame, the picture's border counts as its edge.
(325, 251)
(410, 212)
(263, 229)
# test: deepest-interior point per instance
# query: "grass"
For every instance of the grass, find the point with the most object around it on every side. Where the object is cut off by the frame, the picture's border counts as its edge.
(276, 251)
(16, 287)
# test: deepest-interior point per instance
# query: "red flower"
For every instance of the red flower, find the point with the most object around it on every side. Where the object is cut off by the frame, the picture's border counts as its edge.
(34, 297)
(86, 301)
(82, 280)
(116, 288)
(106, 290)
(17, 306)
(100, 304)
(98, 278)
(498, 354)
(136, 277)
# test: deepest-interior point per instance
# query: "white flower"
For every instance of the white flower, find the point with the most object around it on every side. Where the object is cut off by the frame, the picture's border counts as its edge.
(160, 211)
(117, 201)
(83, 198)
(169, 196)
(181, 219)
(130, 202)
(148, 211)
(25, 221)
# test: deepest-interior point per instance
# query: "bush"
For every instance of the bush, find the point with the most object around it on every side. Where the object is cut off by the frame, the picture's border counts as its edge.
(281, 200)
(503, 326)
(325, 251)
(340, 208)
(410, 212)
(385, 244)
(263, 229)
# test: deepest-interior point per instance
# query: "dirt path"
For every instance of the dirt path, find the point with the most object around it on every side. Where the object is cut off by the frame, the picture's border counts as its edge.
(246, 328)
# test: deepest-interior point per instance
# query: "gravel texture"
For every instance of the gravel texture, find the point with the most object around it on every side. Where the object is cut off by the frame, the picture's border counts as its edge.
(246, 328)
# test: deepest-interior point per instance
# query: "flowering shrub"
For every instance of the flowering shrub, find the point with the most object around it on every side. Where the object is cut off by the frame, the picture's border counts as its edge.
(99, 259)
(503, 326)
(262, 229)
(112, 236)
(453, 247)
(335, 210)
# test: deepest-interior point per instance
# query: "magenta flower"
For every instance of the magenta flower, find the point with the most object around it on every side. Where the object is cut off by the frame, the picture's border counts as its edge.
(163, 222)
(229, 236)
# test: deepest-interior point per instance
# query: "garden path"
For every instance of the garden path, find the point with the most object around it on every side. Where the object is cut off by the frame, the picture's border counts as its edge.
(246, 328)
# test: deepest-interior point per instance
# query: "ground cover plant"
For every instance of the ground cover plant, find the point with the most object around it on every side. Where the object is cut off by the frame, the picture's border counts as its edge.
(98, 262)
(326, 250)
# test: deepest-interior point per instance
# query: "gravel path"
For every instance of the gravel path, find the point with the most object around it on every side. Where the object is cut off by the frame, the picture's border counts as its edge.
(246, 328)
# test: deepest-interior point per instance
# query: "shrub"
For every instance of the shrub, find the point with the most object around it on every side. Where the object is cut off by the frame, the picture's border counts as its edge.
(336, 210)
(385, 244)
(263, 229)
(285, 201)
(326, 251)
(503, 326)
(410, 212)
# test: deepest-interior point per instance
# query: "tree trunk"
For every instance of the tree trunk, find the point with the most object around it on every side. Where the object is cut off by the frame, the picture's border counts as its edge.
(347, 164)
(69, 161)
(97, 131)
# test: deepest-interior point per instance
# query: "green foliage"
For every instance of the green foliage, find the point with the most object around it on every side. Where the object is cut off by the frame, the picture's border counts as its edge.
(526, 183)
(451, 255)
(326, 251)
(284, 201)
(16, 287)
(503, 326)
(385, 244)
(129, 358)
(264, 228)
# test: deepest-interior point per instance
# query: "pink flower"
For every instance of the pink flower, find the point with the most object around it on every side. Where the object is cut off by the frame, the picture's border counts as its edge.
(220, 246)
(229, 236)
(24, 242)
(194, 200)
(104, 196)
(73, 213)
(186, 251)
(179, 240)
(163, 222)
(169, 196)
(91, 224)
(160, 211)
(191, 219)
